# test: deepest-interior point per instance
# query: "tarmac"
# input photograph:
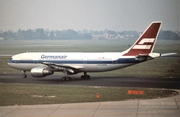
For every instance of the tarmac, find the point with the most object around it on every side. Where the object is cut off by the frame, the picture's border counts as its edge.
(162, 107)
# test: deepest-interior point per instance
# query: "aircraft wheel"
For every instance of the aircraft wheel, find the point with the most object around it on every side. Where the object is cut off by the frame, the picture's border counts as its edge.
(82, 77)
(85, 77)
(24, 76)
(68, 78)
(63, 78)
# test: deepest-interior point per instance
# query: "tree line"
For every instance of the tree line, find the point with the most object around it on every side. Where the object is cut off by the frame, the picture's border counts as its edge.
(40, 33)
(169, 35)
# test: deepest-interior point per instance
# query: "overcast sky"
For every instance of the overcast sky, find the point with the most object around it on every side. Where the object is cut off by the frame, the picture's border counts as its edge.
(116, 15)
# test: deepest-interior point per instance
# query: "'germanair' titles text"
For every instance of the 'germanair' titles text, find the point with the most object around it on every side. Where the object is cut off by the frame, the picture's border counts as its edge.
(50, 57)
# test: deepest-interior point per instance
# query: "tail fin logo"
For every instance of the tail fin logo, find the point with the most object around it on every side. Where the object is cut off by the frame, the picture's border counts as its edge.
(144, 43)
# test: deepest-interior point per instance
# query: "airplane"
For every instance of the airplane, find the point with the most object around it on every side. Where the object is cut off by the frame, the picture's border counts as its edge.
(41, 64)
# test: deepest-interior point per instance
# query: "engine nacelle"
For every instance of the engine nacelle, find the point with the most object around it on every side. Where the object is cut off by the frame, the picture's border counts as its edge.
(40, 72)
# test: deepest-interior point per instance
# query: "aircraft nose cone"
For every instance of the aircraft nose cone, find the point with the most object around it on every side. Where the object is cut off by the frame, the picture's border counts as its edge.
(9, 62)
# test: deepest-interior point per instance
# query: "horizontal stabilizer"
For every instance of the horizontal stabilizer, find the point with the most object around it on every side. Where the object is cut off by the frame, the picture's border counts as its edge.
(167, 54)
(142, 57)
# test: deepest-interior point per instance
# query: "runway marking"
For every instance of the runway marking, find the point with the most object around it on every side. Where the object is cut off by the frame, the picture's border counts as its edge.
(43, 96)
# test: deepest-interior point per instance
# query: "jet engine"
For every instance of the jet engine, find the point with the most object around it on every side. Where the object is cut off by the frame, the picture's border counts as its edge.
(40, 72)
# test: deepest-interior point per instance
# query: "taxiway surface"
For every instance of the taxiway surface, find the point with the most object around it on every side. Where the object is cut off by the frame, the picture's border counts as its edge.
(168, 83)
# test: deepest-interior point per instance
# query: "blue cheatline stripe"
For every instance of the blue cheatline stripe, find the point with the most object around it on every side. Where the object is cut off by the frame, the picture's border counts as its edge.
(120, 60)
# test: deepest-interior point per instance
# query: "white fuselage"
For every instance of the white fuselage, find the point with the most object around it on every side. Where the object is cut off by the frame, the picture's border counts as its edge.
(84, 62)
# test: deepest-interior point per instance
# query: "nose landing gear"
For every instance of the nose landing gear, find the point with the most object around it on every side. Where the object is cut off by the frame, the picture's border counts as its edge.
(24, 74)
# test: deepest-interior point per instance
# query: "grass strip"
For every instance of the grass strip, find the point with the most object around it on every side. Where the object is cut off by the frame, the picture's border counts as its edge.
(31, 94)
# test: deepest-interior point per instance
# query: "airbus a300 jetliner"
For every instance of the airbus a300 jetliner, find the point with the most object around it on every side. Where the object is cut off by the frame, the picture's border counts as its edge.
(41, 64)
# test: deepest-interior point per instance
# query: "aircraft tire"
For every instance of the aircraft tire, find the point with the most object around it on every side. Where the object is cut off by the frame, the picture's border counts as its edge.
(85, 77)
(64, 78)
(88, 77)
(24, 76)
(82, 77)
(68, 78)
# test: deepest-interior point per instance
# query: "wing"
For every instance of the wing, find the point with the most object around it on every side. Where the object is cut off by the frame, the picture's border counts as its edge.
(73, 69)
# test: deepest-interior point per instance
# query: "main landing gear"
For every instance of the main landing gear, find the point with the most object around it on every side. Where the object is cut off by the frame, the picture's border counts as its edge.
(24, 74)
(67, 78)
(85, 76)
